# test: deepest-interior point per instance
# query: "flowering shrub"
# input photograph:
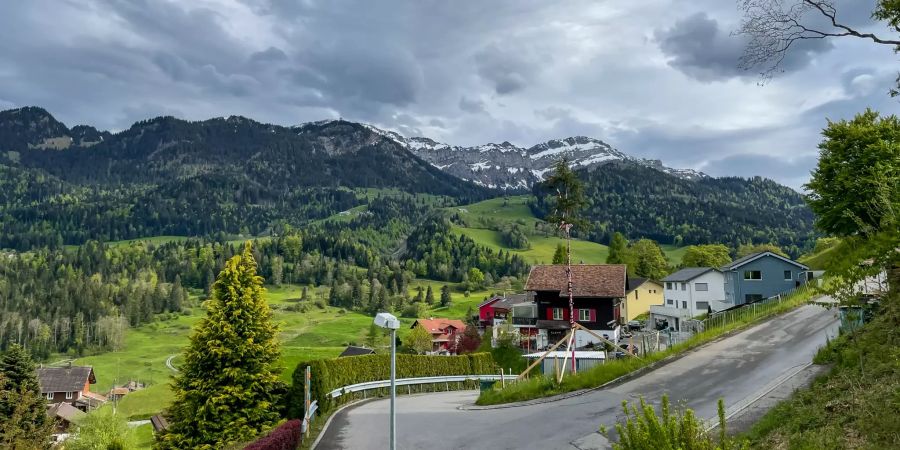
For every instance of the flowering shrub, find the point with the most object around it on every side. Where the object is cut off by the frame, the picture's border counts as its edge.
(285, 437)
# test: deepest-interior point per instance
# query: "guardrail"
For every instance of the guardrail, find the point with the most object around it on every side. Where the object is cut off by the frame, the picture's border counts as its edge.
(363, 387)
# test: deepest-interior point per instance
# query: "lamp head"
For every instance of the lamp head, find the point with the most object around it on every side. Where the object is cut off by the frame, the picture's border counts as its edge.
(387, 320)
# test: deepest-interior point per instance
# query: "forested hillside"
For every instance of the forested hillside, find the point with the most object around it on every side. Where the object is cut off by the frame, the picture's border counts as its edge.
(641, 202)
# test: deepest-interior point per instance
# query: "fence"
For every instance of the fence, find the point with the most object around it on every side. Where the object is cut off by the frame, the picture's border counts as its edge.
(755, 310)
(408, 382)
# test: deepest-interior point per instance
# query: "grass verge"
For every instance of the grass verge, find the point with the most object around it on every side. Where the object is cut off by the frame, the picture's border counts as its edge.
(541, 386)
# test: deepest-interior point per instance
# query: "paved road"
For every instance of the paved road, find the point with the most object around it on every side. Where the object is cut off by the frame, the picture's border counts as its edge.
(737, 369)
(169, 363)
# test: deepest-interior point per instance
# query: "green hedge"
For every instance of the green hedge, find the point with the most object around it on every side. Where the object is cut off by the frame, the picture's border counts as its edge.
(330, 374)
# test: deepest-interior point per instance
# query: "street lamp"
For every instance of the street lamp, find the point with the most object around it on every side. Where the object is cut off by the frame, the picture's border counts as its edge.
(389, 321)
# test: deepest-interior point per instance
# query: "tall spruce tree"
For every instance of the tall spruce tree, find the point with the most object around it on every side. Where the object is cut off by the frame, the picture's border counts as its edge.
(618, 247)
(23, 417)
(227, 389)
(559, 256)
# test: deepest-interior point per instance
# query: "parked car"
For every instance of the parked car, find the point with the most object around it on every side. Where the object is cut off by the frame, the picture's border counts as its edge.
(635, 325)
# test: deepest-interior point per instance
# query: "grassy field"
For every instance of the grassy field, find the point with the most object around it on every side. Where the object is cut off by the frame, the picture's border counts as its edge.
(317, 333)
(481, 216)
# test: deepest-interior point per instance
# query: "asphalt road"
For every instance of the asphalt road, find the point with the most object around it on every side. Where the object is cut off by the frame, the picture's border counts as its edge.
(738, 369)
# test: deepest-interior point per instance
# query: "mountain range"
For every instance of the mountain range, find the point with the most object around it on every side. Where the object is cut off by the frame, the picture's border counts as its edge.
(228, 175)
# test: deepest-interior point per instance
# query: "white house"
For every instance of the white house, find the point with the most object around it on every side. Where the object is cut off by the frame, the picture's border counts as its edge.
(689, 293)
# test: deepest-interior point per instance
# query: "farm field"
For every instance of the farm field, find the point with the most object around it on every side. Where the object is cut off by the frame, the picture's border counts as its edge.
(317, 333)
(482, 215)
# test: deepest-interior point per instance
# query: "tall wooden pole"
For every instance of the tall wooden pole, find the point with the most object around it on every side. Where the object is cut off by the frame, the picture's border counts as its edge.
(567, 227)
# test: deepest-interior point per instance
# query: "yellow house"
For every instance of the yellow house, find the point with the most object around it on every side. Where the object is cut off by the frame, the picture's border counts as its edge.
(641, 293)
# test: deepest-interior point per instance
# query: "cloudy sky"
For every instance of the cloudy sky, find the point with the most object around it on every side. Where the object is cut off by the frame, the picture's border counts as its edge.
(654, 78)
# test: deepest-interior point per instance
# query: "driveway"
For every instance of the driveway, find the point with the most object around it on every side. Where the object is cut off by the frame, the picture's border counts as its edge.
(738, 369)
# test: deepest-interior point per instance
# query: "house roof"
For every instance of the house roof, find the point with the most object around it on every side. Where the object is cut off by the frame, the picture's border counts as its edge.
(435, 326)
(159, 422)
(356, 351)
(688, 274)
(754, 256)
(636, 282)
(65, 412)
(65, 379)
(588, 280)
(91, 400)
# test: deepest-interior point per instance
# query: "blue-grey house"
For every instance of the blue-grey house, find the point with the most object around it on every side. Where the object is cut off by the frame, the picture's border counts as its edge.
(761, 275)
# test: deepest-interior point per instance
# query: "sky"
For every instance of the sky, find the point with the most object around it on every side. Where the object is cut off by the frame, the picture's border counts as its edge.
(654, 78)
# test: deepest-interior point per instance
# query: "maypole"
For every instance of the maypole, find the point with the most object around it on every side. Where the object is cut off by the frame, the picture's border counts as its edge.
(566, 228)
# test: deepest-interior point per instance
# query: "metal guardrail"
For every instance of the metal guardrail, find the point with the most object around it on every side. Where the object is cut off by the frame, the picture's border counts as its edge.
(362, 387)
(308, 416)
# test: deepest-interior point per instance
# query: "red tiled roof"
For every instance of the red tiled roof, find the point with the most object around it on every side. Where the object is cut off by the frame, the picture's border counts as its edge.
(435, 326)
(588, 280)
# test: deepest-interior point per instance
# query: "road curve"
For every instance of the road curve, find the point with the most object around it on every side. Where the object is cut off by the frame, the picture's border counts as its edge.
(737, 368)
(169, 363)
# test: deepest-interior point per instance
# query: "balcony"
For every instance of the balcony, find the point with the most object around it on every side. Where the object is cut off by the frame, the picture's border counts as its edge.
(526, 321)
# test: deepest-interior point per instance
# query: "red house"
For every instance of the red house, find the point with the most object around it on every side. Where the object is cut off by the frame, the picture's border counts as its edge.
(498, 309)
(444, 333)
(598, 291)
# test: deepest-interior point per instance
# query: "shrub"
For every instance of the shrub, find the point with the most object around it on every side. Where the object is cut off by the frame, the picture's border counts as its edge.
(284, 437)
(331, 374)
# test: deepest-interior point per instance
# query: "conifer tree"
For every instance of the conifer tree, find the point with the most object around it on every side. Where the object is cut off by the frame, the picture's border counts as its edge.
(227, 390)
(429, 296)
(618, 247)
(23, 417)
(445, 296)
(559, 256)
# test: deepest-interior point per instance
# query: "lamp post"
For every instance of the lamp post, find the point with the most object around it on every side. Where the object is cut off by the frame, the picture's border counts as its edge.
(389, 321)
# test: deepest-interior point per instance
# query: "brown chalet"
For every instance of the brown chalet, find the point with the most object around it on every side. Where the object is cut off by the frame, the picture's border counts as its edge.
(598, 292)
(69, 384)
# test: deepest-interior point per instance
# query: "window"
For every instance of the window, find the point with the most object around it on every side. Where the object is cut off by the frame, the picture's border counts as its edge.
(669, 301)
(684, 304)
(752, 275)
(636, 291)
(557, 314)
(702, 306)
(669, 286)
(683, 286)
(701, 287)
(750, 298)
(49, 396)
(69, 395)
(584, 315)
(788, 276)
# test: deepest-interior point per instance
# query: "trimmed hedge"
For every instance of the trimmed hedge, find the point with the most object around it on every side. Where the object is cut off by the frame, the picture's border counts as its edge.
(285, 437)
(331, 374)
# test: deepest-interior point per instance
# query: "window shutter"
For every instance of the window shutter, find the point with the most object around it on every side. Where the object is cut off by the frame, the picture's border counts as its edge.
(565, 313)
(549, 313)
(593, 315)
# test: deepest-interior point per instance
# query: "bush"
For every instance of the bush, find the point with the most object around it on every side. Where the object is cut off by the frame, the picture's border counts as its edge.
(285, 437)
(331, 374)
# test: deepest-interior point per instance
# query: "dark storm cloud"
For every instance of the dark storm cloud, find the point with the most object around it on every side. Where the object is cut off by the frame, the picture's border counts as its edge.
(700, 48)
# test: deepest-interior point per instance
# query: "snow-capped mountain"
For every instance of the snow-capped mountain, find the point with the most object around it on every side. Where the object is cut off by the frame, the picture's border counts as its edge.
(506, 166)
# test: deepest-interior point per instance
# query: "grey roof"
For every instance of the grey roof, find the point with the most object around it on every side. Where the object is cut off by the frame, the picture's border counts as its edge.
(687, 274)
(636, 282)
(65, 412)
(753, 256)
(356, 351)
(65, 379)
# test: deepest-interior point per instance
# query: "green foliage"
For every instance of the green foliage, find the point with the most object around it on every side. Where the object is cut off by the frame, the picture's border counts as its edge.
(748, 249)
(418, 340)
(711, 255)
(559, 255)
(23, 420)
(648, 260)
(330, 374)
(446, 298)
(681, 429)
(859, 165)
(507, 355)
(227, 388)
(103, 430)
(618, 249)
(642, 202)
(568, 197)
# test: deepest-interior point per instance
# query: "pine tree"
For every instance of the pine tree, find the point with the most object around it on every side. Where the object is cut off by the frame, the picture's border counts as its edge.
(559, 256)
(176, 295)
(429, 296)
(227, 390)
(445, 296)
(23, 417)
(618, 247)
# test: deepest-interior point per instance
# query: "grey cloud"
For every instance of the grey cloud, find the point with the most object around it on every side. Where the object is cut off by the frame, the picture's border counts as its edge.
(699, 48)
(792, 172)
(508, 70)
(474, 106)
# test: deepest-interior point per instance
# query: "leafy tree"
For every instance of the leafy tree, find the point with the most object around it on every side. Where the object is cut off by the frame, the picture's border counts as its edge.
(747, 249)
(559, 256)
(227, 389)
(374, 336)
(649, 259)
(710, 255)
(507, 354)
(277, 270)
(23, 418)
(446, 298)
(618, 248)
(645, 430)
(470, 340)
(476, 278)
(859, 163)
(568, 197)
(418, 340)
(103, 430)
